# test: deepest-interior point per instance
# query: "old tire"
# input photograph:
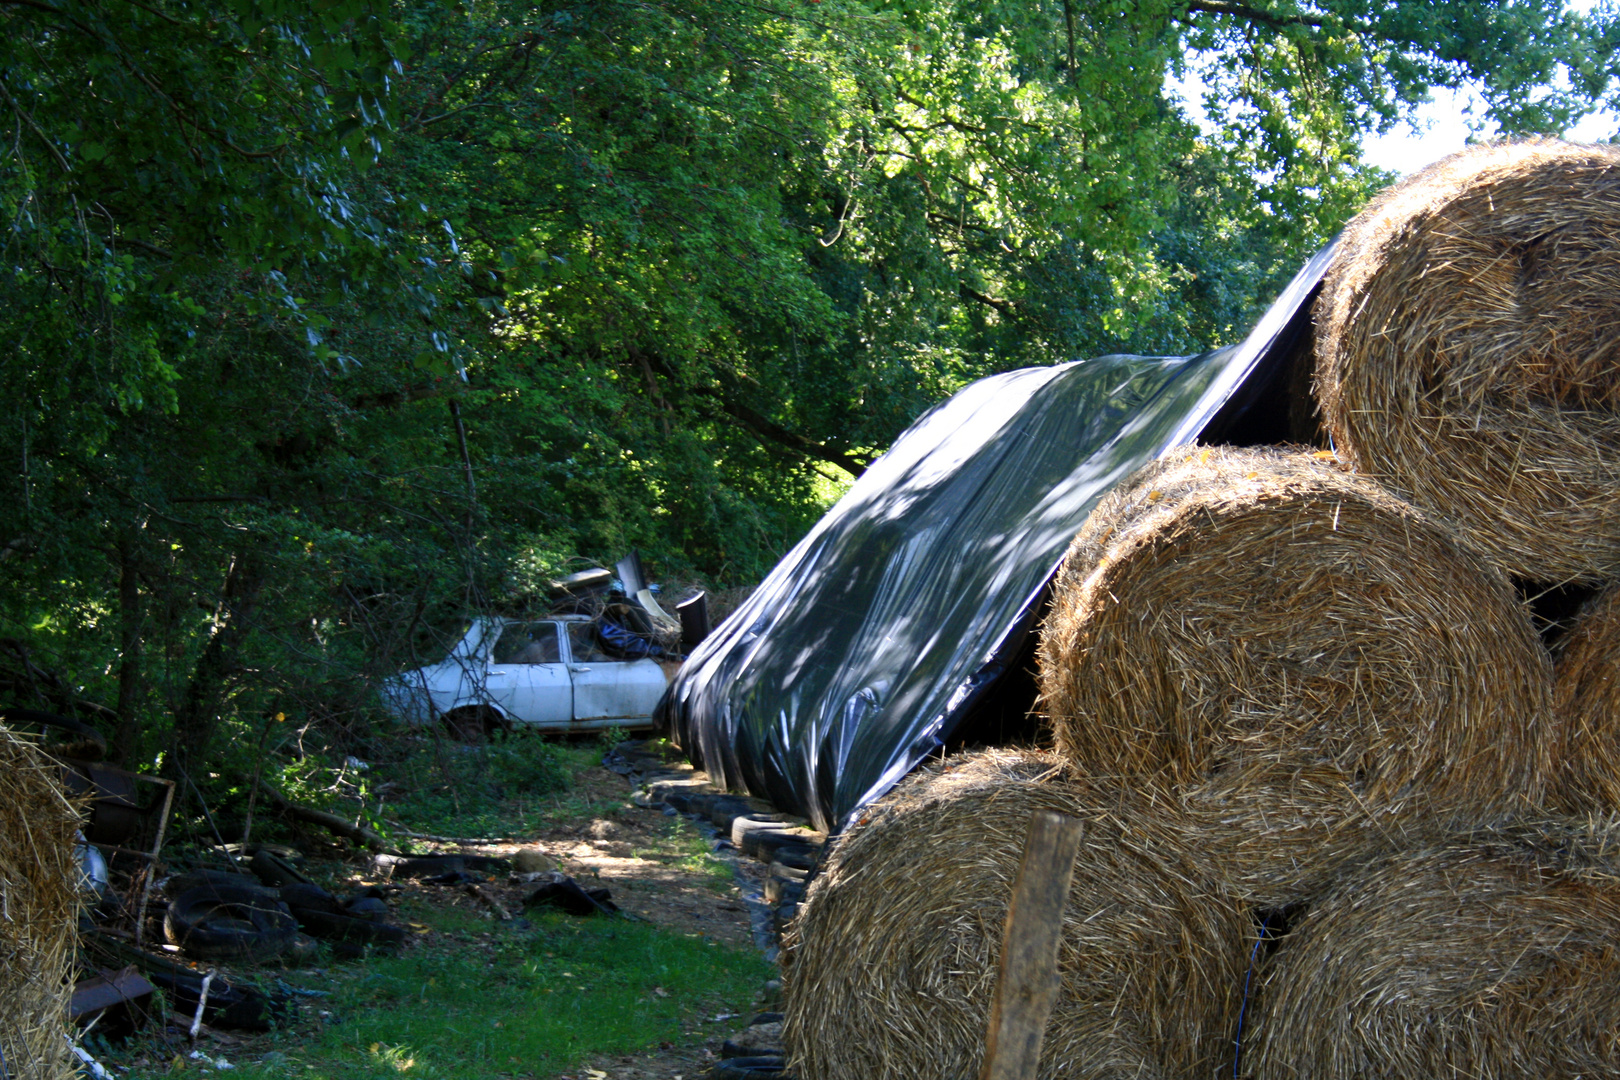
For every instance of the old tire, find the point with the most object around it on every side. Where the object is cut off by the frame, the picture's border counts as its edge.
(473, 723)
(225, 922)
(349, 930)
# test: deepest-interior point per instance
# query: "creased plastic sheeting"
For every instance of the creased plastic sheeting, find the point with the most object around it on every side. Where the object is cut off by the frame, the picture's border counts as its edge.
(854, 656)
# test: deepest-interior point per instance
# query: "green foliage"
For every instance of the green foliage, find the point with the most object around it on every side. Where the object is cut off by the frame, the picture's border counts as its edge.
(331, 325)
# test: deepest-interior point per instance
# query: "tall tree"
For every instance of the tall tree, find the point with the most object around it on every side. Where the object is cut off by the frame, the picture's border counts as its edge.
(331, 322)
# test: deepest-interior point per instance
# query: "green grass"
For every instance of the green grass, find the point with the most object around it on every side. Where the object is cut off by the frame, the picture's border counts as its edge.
(693, 852)
(484, 1003)
(509, 785)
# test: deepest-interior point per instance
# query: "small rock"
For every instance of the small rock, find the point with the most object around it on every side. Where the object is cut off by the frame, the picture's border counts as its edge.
(603, 829)
(532, 861)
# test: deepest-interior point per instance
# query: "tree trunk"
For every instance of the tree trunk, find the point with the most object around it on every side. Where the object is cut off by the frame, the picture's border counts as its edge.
(196, 720)
(132, 619)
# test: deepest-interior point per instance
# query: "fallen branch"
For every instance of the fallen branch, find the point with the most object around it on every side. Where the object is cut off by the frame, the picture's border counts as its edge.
(472, 841)
(202, 1003)
(351, 831)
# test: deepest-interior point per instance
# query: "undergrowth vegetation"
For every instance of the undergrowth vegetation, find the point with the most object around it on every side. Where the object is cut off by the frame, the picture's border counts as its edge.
(472, 997)
(415, 781)
(436, 785)
(482, 1002)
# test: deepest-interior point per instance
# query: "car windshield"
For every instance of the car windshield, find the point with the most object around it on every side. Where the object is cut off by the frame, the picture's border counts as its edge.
(528, 643)
(587, 648)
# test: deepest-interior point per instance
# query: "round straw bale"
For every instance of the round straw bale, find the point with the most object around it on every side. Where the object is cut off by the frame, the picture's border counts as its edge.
(892, 962)
(1586, 698)
(1278, 839)
(1467, 343)
(1225, 607)
(1493, 953)
(39, 879)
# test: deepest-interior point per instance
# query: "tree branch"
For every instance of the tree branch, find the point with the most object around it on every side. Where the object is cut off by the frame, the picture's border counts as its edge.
(760, 425)
(764, 427)
(1005, 307)
(1251, 14)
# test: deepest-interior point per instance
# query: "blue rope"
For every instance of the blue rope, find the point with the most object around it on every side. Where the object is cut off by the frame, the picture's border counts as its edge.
(1237, 1043)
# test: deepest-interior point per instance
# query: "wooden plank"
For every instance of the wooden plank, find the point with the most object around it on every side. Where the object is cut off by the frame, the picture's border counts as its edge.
(1028, 982)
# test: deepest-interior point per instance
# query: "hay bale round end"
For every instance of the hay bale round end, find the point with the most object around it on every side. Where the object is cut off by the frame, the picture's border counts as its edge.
(1230, 608)
(1280, 839)
(891, 965)
(1467, 344)
(1491, 953)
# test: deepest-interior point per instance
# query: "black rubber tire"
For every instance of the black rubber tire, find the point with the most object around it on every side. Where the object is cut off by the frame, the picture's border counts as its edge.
(748, 1068)
(242, 853)
(763, 844)
(344, 928)
(223, 922)
(216, 879)
(804, 857)
(434, 865)
(726, 809)
(230, 1006)
(368, 908)
(276, 872)
(312, 897)
(474, 724)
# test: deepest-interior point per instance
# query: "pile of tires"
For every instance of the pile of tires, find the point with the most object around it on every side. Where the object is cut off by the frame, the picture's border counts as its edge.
(274, 913)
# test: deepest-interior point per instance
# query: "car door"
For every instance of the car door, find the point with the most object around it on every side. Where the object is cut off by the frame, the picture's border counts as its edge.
(606, 689)
(527, 676)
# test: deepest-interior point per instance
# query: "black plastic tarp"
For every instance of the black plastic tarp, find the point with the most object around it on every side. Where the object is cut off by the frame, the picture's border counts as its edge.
(869, 642)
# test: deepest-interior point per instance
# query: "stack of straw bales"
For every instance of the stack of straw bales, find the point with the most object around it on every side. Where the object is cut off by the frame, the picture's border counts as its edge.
(1301, 690)
(1587, 699)
(39, 906)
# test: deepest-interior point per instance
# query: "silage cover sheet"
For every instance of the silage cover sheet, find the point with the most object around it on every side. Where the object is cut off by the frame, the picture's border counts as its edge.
(872, 638)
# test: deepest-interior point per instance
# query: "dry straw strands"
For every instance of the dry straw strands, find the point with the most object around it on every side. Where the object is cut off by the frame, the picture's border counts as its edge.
(891, 965)
(39, 907)
(1232, 607)
(1468, 351)
(1282, 838)
(1586, 697)
(1491, 954)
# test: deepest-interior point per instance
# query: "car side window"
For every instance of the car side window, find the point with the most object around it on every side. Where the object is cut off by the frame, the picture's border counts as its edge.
(534, 643)
(587, 650)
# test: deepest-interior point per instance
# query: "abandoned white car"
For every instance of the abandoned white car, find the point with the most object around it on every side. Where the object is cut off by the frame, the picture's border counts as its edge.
(552, 674)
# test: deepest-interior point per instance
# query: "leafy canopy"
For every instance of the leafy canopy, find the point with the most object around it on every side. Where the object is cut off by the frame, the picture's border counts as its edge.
(332, 322)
